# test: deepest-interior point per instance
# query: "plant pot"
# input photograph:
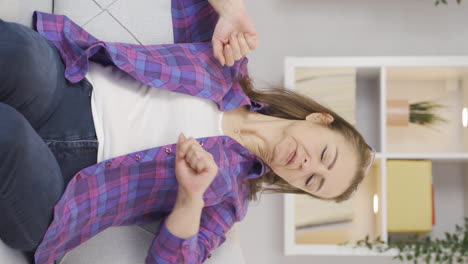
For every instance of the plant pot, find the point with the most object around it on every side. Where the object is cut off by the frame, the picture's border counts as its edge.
(398, 113)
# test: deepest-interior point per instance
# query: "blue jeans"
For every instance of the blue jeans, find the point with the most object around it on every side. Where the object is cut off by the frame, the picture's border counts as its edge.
(46, 134)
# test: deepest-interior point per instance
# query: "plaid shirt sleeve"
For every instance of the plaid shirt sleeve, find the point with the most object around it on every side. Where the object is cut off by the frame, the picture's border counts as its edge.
(215, 221)
(187, 68)
(193, 21)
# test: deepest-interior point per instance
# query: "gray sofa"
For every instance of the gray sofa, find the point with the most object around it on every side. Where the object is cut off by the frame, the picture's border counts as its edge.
(132, 21)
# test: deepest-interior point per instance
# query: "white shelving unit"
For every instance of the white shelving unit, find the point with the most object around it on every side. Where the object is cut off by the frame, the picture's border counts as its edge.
(371, 121)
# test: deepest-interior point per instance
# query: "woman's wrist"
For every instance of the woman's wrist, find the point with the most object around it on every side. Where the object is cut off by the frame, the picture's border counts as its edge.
(228, 8)
(184, 220)
(189, 201)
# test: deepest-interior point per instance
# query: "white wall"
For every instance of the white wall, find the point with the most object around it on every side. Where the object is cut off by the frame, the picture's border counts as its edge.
(353, 28)
(338, 28)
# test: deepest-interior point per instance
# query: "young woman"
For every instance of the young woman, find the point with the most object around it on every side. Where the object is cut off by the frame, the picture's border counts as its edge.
(52, 134)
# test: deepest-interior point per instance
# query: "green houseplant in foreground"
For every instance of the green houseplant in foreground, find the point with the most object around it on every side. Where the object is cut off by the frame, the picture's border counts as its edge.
(452, 249)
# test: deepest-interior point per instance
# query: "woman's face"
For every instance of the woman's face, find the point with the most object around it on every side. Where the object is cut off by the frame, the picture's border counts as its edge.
(316, 151)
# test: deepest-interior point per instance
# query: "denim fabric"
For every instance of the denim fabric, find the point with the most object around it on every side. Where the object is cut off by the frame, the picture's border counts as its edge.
(46, 134)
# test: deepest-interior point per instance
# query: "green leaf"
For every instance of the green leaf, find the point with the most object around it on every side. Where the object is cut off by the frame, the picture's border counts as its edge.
(447, 236)
(428, 258)
(400, 247)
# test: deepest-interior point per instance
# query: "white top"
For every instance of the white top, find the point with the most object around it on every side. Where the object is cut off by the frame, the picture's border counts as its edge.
(130, 116)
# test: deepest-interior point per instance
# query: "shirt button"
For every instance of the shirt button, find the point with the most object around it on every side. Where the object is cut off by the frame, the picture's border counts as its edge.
(137, 157)
(209, 256)
(201, 143)
(78, 177)
(108, 164)
(168, 150)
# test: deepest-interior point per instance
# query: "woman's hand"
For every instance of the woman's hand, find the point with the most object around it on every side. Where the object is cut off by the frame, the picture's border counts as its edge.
(235, 34)
(195, 169)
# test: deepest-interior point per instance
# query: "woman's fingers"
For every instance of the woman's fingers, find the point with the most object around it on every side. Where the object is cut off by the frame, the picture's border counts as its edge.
(180, 141)
(218, 51)
(193, 154)
(201, 160)
(252, 40)
(183, 146)
(197, 158)
(239, 45)
(244, 47)
(228, 55)
(236, 51)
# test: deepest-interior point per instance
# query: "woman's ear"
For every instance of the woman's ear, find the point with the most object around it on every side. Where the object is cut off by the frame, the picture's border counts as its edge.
(323, 118)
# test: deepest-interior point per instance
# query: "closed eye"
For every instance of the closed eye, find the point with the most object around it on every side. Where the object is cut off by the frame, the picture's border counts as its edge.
(308, 180)
(321, 158)
(320, 184)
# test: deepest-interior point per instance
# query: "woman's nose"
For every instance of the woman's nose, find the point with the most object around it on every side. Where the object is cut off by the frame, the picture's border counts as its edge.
(306, 163)
(309, 164)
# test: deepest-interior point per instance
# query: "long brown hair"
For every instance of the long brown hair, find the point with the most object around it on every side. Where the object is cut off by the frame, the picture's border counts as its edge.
(284, 103)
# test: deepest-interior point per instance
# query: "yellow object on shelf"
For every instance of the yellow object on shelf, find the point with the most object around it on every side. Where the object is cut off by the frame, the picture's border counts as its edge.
(409, 196)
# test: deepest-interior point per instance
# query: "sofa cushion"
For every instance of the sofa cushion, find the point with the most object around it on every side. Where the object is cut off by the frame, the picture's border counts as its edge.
(130, 244)
(20, 11)
(132, 21)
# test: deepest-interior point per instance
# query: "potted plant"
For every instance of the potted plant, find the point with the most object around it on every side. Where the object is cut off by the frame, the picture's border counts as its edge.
(451, 249)
(401, 113)
(438, 2)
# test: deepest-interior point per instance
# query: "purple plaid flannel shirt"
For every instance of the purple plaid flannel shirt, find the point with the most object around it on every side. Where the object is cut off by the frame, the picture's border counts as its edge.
(141, 187)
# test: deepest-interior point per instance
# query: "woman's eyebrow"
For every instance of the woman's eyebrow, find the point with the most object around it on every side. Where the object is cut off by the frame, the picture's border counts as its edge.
(334, 160)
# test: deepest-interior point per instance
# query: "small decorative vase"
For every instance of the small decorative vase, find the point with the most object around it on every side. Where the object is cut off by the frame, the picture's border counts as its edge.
(398, 112)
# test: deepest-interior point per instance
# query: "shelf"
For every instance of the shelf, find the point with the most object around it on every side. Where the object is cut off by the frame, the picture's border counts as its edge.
(368, 113)
(378, 79)
(447, 86)
(431, 156)
(450, 195)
